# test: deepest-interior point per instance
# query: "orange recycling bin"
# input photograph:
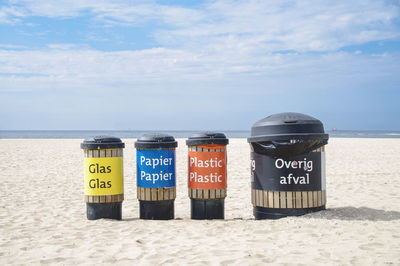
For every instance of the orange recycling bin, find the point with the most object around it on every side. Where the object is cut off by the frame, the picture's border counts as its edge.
(207, 174)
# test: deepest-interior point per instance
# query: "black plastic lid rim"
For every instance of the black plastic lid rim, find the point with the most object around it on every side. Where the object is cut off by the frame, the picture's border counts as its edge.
(156, 141)
(102, 142)
(287, 126)
(303, 136)
(207, 138)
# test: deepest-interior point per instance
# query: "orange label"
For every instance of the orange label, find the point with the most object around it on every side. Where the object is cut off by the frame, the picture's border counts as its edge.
(207, 170)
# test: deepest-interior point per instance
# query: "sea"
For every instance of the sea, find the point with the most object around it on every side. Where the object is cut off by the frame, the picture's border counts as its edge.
(81, 134)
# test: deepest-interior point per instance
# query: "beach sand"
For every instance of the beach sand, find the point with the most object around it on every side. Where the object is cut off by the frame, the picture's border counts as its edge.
(43, 214)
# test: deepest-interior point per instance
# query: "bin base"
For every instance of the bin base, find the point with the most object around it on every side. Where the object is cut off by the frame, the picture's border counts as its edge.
(207, 209)
(271, 213)
(96, 211)
(156, 210)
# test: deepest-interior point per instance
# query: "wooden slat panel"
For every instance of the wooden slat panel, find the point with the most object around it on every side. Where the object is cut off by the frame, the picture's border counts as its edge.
(260, 198)
(206, 193)
(142, 194)
(108, 198)
(102, 199)
(304, 196)
(212, 194)
(160, 194)
(319, 199)
(265, 201)
(298, 199)
(276, 199)
(310, 199)
(256, 197)
(270, 199)
(289, 199)
(315, 198)
(166, 194)
(172, 191)
(282, 199)
(217, 193)
(154, 194)
(146, 193)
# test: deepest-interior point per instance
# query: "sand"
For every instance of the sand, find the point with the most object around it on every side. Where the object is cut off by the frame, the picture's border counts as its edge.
(43, 219)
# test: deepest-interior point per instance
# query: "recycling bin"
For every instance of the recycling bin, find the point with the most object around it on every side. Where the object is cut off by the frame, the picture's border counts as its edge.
(156, 185)
(103, 177)
(207, 174)
(287, 165)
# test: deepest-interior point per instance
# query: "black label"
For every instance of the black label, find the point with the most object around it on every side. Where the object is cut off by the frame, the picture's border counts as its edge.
(297, 173)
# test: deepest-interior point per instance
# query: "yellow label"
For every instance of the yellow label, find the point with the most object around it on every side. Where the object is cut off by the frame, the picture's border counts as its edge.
(104, 176)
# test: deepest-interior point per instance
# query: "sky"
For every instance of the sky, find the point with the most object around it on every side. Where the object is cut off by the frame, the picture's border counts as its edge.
(198, 65)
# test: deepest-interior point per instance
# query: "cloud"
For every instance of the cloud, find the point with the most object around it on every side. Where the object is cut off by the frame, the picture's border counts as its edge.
(246, 26)
(109, 12)
(154, 70)
(287, 25)
(12, 46)
(254, 44)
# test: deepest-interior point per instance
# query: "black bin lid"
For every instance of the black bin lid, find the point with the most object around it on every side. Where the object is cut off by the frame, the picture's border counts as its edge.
(204, 138)
(156, 141)
(284, 126)
(102, 142)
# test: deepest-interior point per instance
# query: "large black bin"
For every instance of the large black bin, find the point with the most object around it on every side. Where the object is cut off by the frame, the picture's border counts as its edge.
(287, 165)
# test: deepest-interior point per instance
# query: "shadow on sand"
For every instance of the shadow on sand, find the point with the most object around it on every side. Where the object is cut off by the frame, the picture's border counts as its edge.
(356, 214)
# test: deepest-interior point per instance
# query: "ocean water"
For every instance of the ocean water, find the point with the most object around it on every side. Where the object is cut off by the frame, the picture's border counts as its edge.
(81, 134)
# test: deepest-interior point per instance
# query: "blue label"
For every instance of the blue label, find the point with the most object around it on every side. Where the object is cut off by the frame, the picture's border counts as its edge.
(155, 168)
